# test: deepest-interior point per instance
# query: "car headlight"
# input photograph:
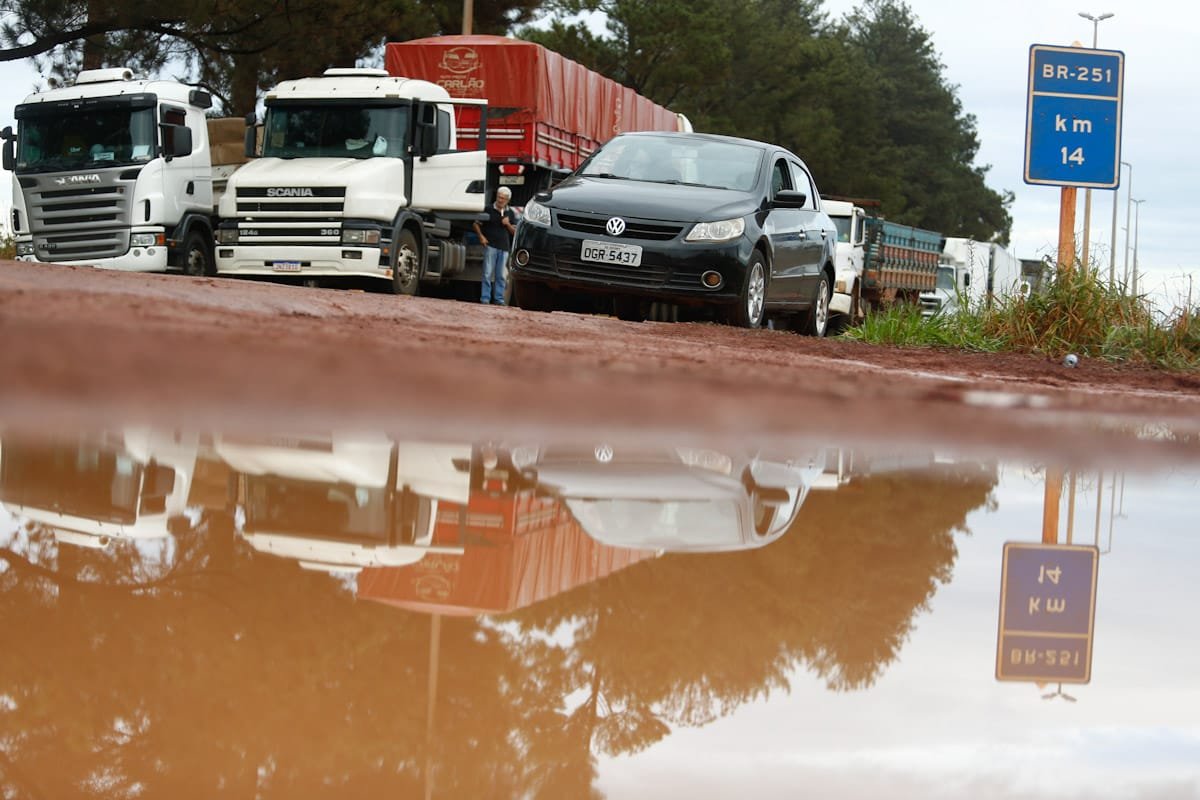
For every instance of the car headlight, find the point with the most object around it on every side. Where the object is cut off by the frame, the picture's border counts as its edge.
(227, 235)
(720, 231)
(536, 213)
(24, 248)
(360, 236)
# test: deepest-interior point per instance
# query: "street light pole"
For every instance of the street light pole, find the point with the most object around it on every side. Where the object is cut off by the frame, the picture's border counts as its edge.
(1087, 194)
(1112, 248)
(1128, 218)
(1136, 215)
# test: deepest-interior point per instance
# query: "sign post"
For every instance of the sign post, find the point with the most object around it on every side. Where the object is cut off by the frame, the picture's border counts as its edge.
(1073, 127)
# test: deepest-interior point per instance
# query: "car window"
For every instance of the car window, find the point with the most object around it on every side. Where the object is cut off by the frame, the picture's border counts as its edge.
(781, 177)
(804, 183)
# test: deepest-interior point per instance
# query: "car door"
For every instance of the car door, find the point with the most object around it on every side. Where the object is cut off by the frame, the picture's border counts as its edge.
(784, 228)
(816, 231)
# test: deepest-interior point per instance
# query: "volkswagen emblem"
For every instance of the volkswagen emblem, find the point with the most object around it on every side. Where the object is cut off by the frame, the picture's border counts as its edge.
(604, 452)
(615, 226)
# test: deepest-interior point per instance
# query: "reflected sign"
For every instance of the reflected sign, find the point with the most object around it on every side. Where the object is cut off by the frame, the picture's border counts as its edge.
(1047, 613)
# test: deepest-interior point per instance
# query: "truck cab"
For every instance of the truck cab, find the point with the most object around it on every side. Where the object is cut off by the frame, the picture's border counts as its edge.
(344, 501)
(113, 172)
(90, 490)
(850, 221)
(358, 177)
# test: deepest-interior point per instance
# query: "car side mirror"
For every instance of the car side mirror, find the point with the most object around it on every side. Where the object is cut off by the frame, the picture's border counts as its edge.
(789, 198)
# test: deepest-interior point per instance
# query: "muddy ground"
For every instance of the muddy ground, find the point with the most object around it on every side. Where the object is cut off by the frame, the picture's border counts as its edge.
(89, 347)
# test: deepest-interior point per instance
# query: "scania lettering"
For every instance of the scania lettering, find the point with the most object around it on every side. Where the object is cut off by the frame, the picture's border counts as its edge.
(358, 180)
(114, 172)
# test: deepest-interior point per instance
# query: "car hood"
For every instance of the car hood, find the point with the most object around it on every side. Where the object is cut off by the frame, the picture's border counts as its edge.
(647, 200)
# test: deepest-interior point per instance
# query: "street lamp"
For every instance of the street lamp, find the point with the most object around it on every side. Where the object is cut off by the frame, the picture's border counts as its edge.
(1136, 215)
(1112, 249)
(1087, 194)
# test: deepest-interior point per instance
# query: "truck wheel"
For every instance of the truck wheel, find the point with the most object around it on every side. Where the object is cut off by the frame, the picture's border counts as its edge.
(406, 263)
(817, 319)
(197, 256)
(752, 301)
(532, 296)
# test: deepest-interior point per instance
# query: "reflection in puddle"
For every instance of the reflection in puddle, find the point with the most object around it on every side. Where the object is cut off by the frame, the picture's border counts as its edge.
(555, 619)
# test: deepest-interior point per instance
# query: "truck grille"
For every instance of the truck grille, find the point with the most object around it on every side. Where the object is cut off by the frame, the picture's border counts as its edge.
(290, 214)
(594, 224)
(97, 216)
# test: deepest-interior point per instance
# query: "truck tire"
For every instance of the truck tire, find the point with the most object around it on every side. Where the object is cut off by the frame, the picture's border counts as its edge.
(198, 255)
(749, 311)
(406, 263)
(816, 321)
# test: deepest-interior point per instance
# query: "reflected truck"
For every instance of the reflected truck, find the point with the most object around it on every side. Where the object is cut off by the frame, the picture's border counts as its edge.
(92, 489)
(342, 502)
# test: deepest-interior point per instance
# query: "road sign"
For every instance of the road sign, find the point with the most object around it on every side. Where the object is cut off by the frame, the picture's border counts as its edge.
(1073, 117)
(1047, 613)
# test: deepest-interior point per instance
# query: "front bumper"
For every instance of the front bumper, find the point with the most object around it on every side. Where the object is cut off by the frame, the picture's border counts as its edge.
(669, 271)
(303, 261)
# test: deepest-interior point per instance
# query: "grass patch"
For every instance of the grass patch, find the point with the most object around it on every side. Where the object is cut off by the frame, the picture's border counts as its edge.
(8, 246)
(1073, 313)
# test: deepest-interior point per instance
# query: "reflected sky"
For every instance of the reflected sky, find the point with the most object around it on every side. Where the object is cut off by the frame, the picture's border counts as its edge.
(442, 619)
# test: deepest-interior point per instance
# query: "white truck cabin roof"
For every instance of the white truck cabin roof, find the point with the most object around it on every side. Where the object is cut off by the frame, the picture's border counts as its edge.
(120, 81)
(356, 84)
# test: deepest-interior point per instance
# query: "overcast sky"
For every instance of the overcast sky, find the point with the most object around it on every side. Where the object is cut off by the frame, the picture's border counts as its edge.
(985, 48)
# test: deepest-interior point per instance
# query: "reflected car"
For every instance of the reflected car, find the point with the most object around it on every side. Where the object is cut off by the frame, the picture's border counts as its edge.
(676, 499)
(731, 227)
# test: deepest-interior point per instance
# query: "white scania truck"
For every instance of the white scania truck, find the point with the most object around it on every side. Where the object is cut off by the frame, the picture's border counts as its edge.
(359, 177)
(113, 172)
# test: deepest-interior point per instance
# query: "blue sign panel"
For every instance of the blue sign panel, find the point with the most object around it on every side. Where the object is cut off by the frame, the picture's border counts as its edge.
(1073, 117)
(1047, 613)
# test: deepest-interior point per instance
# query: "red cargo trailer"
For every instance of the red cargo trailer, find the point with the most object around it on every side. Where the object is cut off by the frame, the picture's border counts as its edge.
(546, 113)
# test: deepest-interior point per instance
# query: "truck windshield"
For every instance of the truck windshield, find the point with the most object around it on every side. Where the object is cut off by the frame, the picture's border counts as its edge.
(335, 131)
(84, 480)
(843, 228)
(677, 159)
(340, 511)
(945, 278)
(58, 140)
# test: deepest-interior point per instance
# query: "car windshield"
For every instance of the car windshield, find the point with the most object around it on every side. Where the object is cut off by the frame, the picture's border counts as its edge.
(668, 525)
(88, 138)
(669, 159)
(335, 131)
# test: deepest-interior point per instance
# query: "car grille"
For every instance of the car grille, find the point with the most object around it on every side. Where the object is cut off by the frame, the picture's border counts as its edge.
(634, 229)
(646, 275)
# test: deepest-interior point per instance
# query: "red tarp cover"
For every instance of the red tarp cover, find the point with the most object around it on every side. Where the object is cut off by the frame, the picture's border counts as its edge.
(562, 109)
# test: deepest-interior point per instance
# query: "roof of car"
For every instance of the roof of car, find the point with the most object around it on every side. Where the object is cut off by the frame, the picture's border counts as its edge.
(709, 137)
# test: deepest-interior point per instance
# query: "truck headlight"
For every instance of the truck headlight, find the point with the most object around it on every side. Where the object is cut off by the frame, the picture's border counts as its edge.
(24, 248)
(536, 213)
(360, 236)
(227, 235)
(146, 239)
(720, 231)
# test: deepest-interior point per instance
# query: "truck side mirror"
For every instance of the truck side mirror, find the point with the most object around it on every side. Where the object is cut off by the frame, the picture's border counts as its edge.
(10, 150)
(966, 280)
(425, 139)
(250, 144)
(177, 141)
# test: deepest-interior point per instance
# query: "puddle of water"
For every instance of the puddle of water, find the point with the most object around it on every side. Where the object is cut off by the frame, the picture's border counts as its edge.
(193, 612)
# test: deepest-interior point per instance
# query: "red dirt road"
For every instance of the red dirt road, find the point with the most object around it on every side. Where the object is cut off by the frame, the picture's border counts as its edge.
(89, 347)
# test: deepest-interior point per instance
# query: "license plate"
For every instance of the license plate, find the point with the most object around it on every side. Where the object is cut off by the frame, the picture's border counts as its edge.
(512, 180)
(285, 266)
(629, 255)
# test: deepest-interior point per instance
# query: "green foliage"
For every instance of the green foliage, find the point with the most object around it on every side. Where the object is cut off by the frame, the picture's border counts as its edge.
(8, 245)
(1075, 312)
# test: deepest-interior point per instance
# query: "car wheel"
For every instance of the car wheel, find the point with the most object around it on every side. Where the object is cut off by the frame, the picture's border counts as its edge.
(532, 296)
(752, 300)
(817, 320)
(406, 263)
(197, 256)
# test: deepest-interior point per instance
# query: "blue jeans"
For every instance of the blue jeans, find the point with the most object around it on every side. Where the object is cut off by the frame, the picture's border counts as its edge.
(494, 260)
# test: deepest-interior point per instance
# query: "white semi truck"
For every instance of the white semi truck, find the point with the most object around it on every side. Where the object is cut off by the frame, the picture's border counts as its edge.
(345, 501)
(358, 177)
(972, 273)
(91, 490)
(113, 172)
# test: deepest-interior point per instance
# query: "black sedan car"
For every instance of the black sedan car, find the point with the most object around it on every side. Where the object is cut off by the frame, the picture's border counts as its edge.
(694, 220)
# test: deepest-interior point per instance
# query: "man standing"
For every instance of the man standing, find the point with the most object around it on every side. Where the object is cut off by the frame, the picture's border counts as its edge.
(496, 237)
